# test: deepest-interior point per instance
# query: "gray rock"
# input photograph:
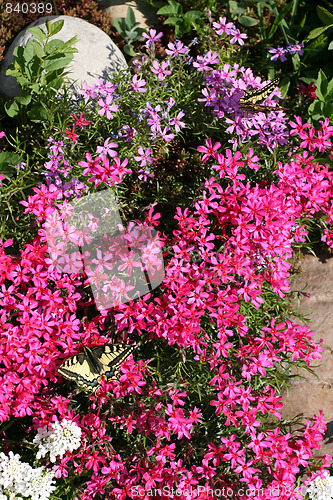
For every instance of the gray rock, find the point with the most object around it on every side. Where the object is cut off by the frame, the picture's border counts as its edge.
(311, 394)
(97, 55)
(144, 13)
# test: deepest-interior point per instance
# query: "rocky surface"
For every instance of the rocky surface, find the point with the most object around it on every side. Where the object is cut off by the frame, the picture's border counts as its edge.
(144, 13)
(312, 394)
(97, 55)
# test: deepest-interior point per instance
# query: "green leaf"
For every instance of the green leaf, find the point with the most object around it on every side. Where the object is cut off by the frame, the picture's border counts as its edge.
(193, 15)
(328, 109)
(330, 89)
(38, 33)
(296, 60)
(279, 19)
(33, 68)
(128, 49)
(130, 18)
(316, 32)
(68, 45)
(248, 21)
(172, 20)
(38, 49)
(35, 87)
(131, 35)
(54, 46)
(58, 61)
(173, 9)
(19, 58)
(12, 109)
(7, 162)
(235, 8)
(118, 23)
(324, 15)
(56, 83)
(284, 86)
(315, 107)
(24, 99)
(38, 114)
(29, 51)
(321, 85)
(56, 27)
(330, 47)
(22, 80)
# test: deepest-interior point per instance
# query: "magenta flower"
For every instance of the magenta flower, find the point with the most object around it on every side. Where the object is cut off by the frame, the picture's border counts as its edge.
(165, 135)
(102, 151)
(176, 121)
(176, 49)
(237, 36)
(223, 27)
(209, 150)
(88, 92)
(152, 37)
(107, 108)
(160, 69)
(138, 84)
(144, 156)
(277, 53)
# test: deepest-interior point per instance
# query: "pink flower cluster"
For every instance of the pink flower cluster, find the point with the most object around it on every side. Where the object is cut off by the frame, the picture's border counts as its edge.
(226, 254)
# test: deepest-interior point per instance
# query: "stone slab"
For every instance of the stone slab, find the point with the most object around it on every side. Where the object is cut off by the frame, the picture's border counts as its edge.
(96, 58)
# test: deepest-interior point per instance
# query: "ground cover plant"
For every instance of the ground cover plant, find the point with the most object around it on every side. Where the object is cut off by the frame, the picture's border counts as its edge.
(227, 196)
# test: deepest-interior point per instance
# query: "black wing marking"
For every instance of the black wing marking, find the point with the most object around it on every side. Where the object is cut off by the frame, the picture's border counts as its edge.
(92, 365)
(251, 98)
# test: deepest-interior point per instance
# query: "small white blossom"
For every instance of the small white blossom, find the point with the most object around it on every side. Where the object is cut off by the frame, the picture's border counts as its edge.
(19, 478)
(321, 488)
(61, 437)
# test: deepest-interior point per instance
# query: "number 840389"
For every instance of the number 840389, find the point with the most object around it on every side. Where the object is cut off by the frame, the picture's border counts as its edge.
(31, 8)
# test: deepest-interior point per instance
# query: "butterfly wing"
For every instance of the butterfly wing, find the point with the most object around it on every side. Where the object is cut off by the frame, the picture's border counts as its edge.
(111, 356)
(251, 99)
(89, 367)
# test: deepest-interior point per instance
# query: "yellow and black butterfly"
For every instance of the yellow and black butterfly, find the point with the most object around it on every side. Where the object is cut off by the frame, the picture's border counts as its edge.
(251, 100)
(90, 367)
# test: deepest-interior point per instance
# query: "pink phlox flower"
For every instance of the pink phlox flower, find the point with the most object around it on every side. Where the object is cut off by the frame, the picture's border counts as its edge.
(71, 134)
(252, 159)
(277, 53)
(88, 92)
(138, 84)
(163, 134)
(209, 149)
(80, 122)
(160, 69)
(237, 36)
(152, 37)
(177, 121)
(102, 151)
(223, 27)
(176, 49)
(107, 108)
(144, 156)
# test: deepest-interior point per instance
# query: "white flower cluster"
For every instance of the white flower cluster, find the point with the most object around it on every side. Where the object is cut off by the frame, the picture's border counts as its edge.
(61, 437)
(18, 479)
(321, 489)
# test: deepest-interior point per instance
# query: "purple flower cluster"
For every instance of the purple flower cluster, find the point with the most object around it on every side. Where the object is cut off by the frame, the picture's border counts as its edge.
(290, 49)
(224, 87)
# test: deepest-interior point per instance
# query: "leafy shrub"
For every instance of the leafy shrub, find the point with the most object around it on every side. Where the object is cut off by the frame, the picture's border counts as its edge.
(12, 23)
